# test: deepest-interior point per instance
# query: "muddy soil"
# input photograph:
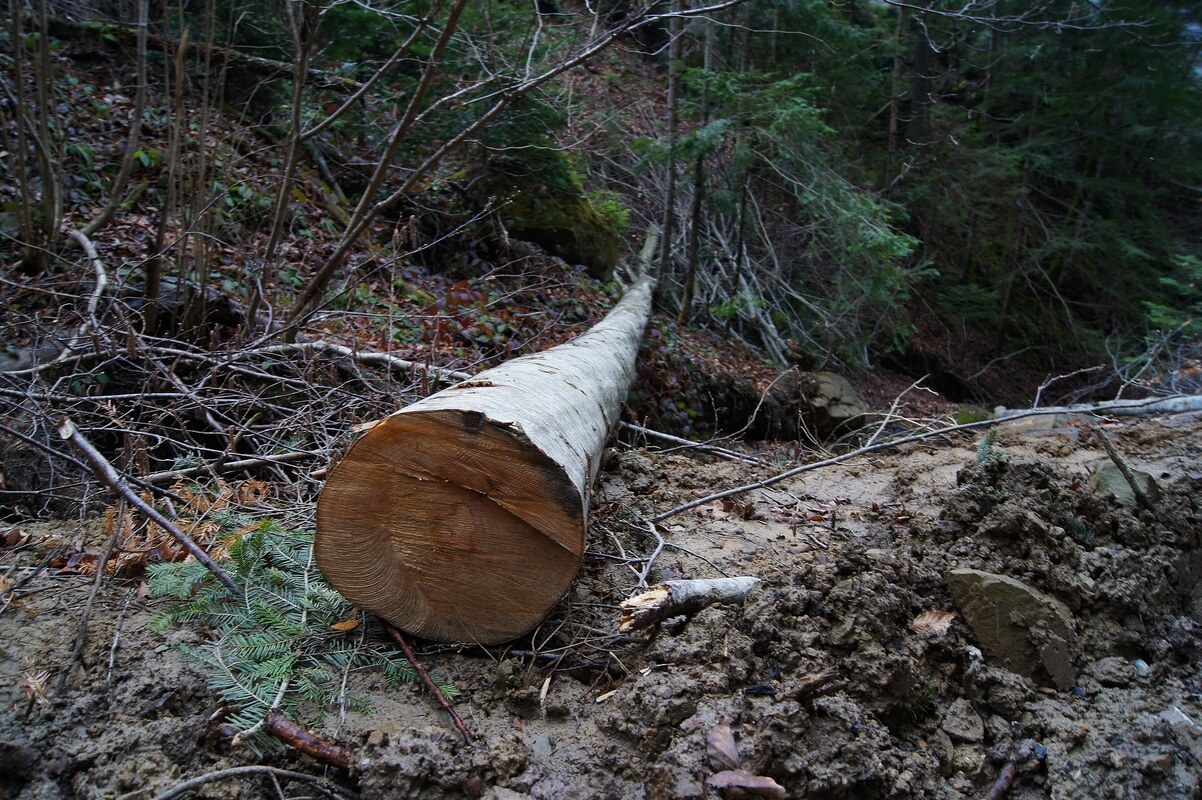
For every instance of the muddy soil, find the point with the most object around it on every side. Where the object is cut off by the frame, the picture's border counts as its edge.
(1073, 655)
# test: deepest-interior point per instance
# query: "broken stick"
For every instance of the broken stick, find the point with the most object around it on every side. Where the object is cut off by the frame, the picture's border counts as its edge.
(674, 598)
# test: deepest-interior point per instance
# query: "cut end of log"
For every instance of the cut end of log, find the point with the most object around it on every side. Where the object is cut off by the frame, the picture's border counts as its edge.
(451, 526)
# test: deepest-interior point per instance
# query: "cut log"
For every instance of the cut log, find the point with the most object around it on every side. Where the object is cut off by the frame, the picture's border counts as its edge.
(461, 517)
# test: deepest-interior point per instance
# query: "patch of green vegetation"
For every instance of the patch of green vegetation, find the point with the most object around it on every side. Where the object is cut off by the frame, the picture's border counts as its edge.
(545, 202)
(967, 414)
(288, 641)
(986, 452)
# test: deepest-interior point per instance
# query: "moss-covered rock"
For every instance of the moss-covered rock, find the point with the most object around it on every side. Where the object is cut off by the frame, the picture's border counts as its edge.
(545, 203)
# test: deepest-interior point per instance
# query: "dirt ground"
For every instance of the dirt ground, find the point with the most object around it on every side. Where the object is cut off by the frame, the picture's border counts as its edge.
(1075, 657)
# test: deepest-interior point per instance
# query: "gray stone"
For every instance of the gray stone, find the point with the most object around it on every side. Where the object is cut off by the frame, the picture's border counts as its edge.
(833, 404)
(944, 749)
(1108, 481)
(880, 556)
(1112, 671)
(963, 723)
(968, 760)
(502, 793)
(1019, 627)
(543, 745)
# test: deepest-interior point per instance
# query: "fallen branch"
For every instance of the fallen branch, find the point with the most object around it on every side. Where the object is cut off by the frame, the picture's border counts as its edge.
(705, 447)
(81, 635)
(427, 681)
(650, 560)
(674, 598)
(360, 356)
(304, 740)
(173, 475)
(1167, 405)
(107, 475)
(331, 788)
(1175, 404)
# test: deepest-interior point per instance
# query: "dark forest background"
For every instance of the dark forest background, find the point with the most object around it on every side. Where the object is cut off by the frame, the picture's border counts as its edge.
(992, 194)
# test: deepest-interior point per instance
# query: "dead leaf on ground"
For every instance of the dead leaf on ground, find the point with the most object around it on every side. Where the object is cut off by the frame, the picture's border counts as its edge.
(935, 623)
(348, 624)
(721, 747)
(758, 785)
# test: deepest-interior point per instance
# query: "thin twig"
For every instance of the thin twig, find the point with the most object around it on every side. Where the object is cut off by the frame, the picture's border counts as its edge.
(108, 676)
(107, 475)
(562, 661)
(82, 635)
(705, 447)
(659, 548)
(332, 789)
(102, 280)
(430, 685)
(173, 475)
(893, 410)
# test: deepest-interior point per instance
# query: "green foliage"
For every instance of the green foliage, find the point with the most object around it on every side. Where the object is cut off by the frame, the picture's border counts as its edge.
(545, 202)
(1052, 171)
(1184, 286)
(986, 451)
(282, 643)
(967, 413)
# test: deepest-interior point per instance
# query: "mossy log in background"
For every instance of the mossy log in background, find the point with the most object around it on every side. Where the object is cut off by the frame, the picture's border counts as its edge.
(462, 517)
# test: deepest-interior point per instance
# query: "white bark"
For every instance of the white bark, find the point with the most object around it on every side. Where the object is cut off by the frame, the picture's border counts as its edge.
(1177, 404)
(674, 598)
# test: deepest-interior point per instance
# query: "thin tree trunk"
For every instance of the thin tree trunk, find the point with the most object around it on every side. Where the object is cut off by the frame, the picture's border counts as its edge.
(894, 100)
(52, 190)
(665, 252)
(302, 47)
(367, 208)
(116, 193)
(201, 220)
(918, 126)
(154, 264)
(699, 179)
(30, 253)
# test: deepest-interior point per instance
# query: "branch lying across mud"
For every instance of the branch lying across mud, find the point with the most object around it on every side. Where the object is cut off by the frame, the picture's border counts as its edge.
(1166, 405)
(331, 788)
(1174, 404)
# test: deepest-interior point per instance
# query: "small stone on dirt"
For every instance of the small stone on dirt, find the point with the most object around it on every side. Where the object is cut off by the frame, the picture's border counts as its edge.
(1113, 671)
(963, 723)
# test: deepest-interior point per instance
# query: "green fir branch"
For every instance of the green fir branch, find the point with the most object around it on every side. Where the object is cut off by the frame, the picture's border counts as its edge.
(275, 643)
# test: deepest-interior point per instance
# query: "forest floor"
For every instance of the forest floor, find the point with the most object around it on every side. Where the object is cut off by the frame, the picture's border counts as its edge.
(832, 681)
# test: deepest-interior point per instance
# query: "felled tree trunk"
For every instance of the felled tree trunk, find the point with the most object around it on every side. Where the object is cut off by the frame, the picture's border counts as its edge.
(462, 517)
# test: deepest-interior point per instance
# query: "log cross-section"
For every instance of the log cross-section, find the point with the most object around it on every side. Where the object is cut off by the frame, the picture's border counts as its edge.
(462, 516)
